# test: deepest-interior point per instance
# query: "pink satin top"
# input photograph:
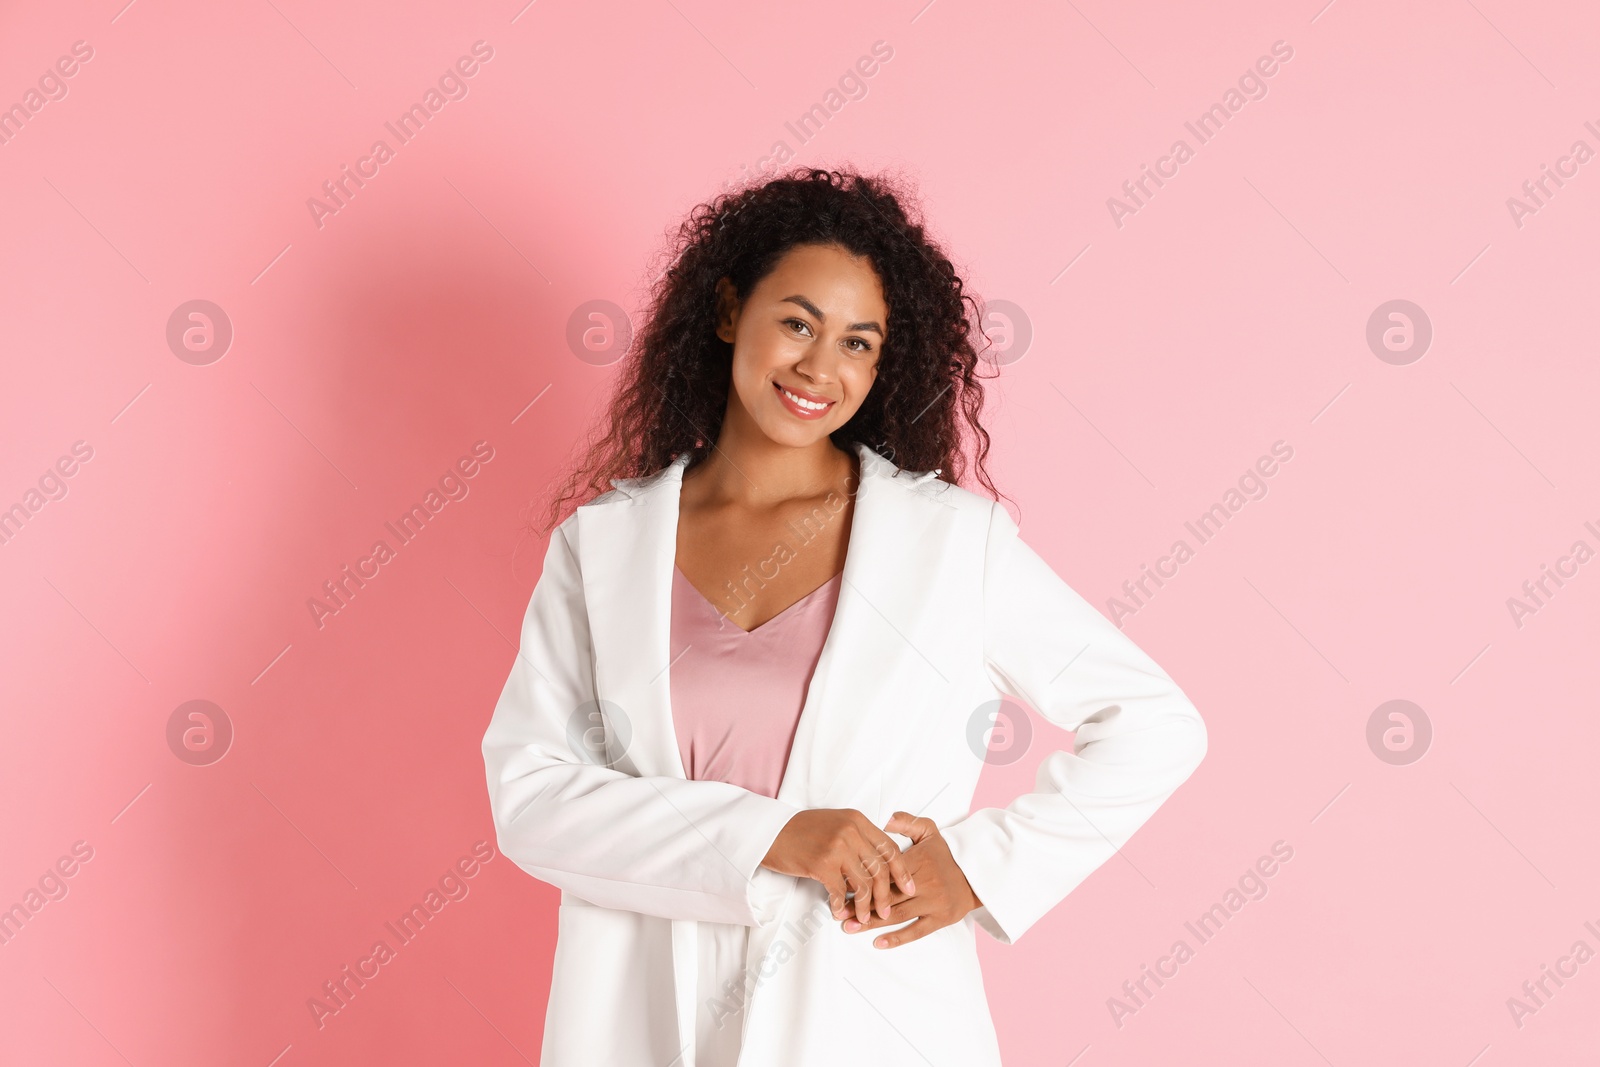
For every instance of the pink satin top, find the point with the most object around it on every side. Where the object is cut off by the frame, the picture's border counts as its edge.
(737, 696)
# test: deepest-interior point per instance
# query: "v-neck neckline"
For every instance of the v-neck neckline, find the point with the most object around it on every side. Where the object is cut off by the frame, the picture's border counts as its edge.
(722, 616)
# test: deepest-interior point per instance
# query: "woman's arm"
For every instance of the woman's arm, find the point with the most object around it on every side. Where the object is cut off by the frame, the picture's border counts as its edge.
(1137, 739)
(659, 845)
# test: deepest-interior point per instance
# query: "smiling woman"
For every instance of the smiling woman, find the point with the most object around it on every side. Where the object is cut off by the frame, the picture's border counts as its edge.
(705, 795)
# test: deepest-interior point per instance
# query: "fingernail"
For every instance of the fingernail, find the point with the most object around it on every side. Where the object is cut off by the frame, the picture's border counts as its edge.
(852, 926)
(911, 887)
(882, 942)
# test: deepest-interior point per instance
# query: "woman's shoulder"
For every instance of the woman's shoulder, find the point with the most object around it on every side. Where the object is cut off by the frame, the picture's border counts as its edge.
(631, 488)
(928, 485)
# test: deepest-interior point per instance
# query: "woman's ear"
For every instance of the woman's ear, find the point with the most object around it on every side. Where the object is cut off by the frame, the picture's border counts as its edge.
(727, 310)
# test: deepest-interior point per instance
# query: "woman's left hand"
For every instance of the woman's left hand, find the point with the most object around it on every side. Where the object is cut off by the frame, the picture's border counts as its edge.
(943, 895)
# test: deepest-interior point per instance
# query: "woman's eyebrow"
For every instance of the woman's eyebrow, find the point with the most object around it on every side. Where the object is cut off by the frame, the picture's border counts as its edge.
(816, 311)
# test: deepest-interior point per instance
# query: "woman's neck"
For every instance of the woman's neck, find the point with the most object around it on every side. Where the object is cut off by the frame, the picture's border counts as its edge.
(765, 474)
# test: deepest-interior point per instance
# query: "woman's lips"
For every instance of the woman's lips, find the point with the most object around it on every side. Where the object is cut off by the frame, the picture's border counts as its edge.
(796, 410)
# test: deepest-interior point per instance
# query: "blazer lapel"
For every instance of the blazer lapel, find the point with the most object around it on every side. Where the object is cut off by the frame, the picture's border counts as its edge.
(627, 548)
(880, 594)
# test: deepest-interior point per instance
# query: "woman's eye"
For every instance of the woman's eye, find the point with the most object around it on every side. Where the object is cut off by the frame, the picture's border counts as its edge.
(865, 346)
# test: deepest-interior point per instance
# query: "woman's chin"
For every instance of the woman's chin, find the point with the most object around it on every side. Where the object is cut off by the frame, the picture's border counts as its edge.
(795, 438)
(784, 429)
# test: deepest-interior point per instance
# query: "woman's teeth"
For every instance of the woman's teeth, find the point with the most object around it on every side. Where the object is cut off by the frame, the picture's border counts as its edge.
(809, 405)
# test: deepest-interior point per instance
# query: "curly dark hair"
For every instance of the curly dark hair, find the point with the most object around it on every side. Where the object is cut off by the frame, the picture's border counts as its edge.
(673, 388)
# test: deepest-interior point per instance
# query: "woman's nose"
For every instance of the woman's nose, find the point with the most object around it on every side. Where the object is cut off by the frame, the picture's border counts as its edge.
(818, 366)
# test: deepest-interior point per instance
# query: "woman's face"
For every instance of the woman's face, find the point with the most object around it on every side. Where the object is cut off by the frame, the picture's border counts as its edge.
(805, 344)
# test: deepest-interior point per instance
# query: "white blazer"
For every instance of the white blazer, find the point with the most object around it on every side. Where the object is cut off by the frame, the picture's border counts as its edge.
(942, 610)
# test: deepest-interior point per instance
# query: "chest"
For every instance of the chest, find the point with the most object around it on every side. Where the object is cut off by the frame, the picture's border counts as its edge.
(752, 565)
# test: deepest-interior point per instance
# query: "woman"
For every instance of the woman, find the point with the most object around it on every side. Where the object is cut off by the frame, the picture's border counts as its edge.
(756, 675)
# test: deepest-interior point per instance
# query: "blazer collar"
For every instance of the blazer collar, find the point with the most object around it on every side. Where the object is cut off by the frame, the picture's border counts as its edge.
(628, 548)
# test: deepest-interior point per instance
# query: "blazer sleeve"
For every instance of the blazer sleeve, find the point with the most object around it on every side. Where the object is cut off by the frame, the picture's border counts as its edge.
(1137, 739)
(659, 845)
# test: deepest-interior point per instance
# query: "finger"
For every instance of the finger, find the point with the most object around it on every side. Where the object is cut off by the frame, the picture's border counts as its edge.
(913, 826)
(900, 872)
(836, 887)
(876, 849)
(922, 927)
(861, 881)
(899, 822)
(881, 872)
(901, 909)
(904, 909)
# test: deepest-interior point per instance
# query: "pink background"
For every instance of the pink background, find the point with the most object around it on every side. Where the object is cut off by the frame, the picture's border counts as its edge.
(1168, 354)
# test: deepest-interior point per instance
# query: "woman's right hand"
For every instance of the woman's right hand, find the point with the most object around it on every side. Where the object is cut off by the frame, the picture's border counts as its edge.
(840, 848)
